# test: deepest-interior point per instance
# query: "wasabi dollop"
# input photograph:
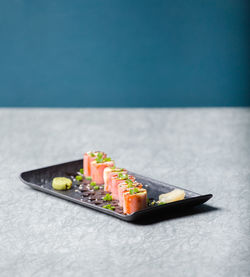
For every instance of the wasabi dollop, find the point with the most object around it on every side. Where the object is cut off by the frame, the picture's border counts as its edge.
(61, 183)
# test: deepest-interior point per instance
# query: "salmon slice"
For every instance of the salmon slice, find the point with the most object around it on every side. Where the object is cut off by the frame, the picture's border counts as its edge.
(88, 158)
(116, 180)
(97, 171)
(125, 187)
(108, 173)
(134, 200)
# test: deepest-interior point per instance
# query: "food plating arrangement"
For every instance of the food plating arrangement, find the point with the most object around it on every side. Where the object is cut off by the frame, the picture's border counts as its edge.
(96, 182)
(112, 187)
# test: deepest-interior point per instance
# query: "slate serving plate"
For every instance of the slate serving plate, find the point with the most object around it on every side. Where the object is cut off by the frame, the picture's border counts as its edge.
(41, 179)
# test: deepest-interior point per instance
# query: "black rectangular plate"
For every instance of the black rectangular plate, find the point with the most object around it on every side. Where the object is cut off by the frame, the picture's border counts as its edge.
(41, 179)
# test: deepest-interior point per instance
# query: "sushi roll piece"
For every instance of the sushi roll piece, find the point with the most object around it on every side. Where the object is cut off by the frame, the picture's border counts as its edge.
(108, 173)
(125, 187)
(134, 200)
(88, 158)
(116, 180)
(97, 169)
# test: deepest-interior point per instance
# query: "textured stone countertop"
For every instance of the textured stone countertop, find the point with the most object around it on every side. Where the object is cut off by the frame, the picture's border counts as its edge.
(203, 150)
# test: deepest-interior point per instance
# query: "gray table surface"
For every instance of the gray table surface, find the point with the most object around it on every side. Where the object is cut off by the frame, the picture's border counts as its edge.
(204, 150)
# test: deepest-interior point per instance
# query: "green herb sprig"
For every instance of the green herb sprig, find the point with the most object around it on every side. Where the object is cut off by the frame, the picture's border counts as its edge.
(108, 159)
(109, 207)
(107, 197)
(122, 176)
(134, 191)
(129, 183)
(100, 159)
(79, 178)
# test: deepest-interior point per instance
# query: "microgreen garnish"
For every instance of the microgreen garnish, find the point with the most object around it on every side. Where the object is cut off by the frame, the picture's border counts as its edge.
(81, 170)
(79, 178)
(100, 159)
(109, 207)
(107, 159)
(92, 154)
(161, 203)
(113, 167)
(107, 197)
(92, 184)
(129, 182)
(122, 176)
(133, 191)
(89, 178)
(96, 187)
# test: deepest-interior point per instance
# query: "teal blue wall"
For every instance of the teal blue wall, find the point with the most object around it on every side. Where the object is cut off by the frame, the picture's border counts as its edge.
(124, 53)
